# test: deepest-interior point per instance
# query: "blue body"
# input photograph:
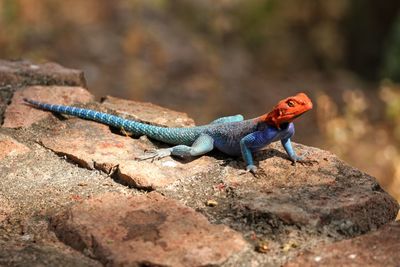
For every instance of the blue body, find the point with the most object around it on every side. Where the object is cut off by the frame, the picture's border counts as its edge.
(231, 135)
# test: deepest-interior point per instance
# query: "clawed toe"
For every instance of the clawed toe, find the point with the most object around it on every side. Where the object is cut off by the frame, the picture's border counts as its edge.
(306, 162)
(154, 154)
(243, 172)
(256, 172)
(311, 162)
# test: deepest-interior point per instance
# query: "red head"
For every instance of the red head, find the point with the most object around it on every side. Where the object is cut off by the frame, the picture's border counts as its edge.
(287, 110)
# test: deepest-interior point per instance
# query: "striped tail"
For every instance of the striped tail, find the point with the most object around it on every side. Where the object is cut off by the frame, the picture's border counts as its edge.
(168, 135)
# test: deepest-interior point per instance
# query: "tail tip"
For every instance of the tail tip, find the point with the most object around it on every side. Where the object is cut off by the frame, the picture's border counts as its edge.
(28, 101)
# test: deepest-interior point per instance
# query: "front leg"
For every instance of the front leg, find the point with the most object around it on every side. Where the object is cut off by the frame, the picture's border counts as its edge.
(287, 145)
(247, 156)
(253, 141)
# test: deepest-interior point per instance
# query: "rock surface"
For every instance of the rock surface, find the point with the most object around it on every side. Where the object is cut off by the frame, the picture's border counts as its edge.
(10, 147)
(94, 146)
(24, 73)
(16, 74)
(378, 248)
(283, 212)
(31, 254)
(329, 195)
(146, 230)
(19, 114)
(5, 209)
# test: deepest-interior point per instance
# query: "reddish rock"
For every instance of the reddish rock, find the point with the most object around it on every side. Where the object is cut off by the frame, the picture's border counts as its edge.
(10, 147)
(286, 207)
(147, 112)
(146, 230)
(16, 74)
(19, 114)
(329, 195)
(23, 73)
(93, 145)
(378, 248)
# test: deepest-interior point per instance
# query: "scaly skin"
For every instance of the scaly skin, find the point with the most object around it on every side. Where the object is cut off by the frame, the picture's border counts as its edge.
(232, 135)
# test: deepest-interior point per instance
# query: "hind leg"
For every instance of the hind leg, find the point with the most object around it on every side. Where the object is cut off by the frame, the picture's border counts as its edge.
(203, 144)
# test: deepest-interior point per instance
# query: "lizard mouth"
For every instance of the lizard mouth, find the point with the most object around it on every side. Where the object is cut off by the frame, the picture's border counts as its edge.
(291, 116)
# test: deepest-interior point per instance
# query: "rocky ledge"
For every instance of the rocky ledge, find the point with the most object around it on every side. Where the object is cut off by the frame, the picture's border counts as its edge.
(72, 193)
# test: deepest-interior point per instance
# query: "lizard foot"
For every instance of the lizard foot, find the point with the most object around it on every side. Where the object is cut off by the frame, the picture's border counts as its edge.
(249, 169)
(301, 160)
(155, 154)
(306, 162)
(254, 171)
(124, 132)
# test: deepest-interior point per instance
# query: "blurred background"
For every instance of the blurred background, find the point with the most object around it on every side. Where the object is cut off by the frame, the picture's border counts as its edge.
(217, 58)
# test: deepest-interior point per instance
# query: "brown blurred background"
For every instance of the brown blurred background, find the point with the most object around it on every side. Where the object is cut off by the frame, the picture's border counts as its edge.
(216, 58)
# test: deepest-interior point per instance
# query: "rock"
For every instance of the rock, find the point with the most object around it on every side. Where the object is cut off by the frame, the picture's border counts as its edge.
(19, 114)
(16, 74)
(24, 73)
(5, 96)
(378, 248)
(146, 230)
(10, 147)
(93, 145)
(5, 209)
(327, 196)
(31, 254)
(282, 211)
(147, 112)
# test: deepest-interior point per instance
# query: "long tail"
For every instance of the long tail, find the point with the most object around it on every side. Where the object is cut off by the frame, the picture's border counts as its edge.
(167, 135)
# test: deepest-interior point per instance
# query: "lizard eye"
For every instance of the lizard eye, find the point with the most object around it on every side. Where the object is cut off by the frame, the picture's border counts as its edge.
(290, 104)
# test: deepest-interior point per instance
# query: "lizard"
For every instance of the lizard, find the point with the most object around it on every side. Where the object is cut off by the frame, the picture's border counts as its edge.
(232, 135)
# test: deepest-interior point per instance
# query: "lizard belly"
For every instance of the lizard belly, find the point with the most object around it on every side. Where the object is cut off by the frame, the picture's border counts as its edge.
(228, 147)
(227, 136)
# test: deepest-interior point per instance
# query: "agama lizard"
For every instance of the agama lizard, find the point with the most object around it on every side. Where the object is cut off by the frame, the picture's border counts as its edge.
(232, 135)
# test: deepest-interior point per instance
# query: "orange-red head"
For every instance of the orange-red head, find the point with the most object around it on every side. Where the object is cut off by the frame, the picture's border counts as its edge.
(287, 110)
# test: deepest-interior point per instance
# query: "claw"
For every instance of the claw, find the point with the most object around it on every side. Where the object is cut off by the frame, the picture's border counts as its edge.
(250, 168)
(154, 154)
(302, 160)
(243, 172)
(254, 171)
(126, 133)
(307, 162)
